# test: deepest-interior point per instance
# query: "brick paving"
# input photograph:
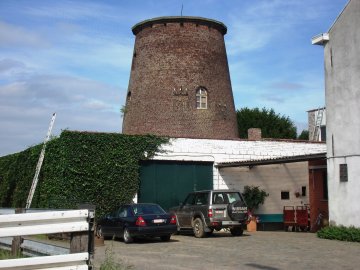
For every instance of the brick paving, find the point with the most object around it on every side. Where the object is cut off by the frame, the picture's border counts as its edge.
(257, 250)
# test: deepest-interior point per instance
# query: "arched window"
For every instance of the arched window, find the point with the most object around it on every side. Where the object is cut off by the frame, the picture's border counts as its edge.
(201, 98)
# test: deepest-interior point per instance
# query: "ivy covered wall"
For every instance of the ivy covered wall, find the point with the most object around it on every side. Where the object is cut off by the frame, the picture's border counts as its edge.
(79, 167)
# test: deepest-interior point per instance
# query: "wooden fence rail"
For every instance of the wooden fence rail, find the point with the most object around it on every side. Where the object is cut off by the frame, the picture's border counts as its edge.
(78, 222)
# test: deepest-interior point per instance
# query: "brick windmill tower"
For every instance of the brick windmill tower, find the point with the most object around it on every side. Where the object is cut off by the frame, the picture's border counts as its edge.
(179, 82)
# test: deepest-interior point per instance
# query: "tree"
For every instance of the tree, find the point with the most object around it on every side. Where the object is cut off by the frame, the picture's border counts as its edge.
(304, 135)
(272, 125)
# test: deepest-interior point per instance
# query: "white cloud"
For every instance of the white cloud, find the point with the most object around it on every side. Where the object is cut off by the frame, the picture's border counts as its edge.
(12, 35)
(256, 26)
(10, 64)
(81, 104)
(97, 105)
(66, 10)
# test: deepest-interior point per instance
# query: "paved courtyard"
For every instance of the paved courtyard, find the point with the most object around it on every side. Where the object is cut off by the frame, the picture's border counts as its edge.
(257, 250)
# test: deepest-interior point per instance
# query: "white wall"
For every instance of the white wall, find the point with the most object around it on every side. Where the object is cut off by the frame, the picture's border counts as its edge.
(342, 81)
(344, 206)
(273, 179)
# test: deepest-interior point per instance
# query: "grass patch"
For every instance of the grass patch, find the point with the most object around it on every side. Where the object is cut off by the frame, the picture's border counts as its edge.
(111, 264)
(40, 237)
(5, 255)
(342, 233)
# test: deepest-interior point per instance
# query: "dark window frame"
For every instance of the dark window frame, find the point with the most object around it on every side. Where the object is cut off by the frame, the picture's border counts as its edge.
(343, 172)
(285, 195)
(303, 191)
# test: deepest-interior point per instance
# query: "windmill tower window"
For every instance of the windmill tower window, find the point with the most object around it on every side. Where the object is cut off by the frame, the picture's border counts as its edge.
(201, 98)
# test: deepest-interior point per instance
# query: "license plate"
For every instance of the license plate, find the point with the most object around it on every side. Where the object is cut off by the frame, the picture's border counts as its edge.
(159, 220)
(219, 212)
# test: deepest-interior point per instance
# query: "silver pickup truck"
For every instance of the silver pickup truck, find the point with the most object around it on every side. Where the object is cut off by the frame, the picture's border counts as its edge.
(208, 210)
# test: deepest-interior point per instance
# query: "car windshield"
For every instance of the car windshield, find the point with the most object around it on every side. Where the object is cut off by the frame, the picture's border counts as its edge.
(225, 197)
(145, 209)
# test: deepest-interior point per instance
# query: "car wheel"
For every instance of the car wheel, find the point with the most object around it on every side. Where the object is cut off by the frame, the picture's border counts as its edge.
(127, 237)
(165, 238)
(199, 228)
(99, 232)
(237, 231)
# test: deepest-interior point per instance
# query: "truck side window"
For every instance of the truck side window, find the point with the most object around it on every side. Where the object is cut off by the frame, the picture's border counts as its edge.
(190, 199)
(201, 199)
(218, 198)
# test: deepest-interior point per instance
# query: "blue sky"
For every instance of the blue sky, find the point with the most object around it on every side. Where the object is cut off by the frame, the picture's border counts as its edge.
(73, 58)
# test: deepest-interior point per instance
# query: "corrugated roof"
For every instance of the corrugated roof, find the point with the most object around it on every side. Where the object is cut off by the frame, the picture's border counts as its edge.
(268, 161)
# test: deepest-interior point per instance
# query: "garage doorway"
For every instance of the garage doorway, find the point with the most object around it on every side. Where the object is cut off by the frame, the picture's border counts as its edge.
(167, 183)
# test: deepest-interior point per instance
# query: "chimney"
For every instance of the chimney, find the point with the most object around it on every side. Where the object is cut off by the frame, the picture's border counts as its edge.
(254, 134)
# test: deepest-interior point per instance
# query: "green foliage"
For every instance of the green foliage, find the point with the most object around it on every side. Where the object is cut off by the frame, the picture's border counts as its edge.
(272, 125)
(5, 255)
(304, 135)
(79, 167)
(110, 264)
(254, 196)
(350, 234)
(16, 172)
(123, 110)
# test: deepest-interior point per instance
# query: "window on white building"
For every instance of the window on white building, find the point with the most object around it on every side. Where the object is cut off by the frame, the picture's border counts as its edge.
(285, 195)
(343, 172)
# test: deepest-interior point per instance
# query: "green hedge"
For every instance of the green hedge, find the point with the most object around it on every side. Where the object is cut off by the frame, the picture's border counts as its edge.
(350, 234)
(79, 167)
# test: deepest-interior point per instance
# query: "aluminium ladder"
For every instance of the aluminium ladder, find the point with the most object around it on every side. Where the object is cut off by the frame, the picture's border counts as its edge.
(39, 164)
(319, 117)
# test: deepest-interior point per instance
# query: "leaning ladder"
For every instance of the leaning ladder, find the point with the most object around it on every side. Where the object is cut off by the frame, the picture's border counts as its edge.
(319, 117)
(39, 164)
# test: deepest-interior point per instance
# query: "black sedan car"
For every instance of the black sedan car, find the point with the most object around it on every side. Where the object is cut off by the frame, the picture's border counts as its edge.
(133, 221)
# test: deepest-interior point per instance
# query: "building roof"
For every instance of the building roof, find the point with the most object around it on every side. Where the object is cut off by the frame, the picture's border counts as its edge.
(180, 19)
(320, 108)
(337, 18)
(269, 161)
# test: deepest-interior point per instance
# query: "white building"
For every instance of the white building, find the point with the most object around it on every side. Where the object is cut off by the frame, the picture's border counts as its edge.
(342, 82)
(280, 167)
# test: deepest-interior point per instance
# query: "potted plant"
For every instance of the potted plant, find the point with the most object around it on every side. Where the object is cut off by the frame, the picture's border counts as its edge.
(254, 197)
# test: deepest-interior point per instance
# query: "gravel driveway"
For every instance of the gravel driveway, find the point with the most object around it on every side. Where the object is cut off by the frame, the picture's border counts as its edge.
(257, 250)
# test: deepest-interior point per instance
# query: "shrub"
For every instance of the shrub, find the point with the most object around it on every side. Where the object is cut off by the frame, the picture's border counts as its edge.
(111, 264)
(350, 234)
(254, 196)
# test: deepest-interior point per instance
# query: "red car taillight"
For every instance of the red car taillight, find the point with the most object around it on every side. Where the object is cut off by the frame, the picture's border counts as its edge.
(140, 222)
(173, 220)
(210, 213)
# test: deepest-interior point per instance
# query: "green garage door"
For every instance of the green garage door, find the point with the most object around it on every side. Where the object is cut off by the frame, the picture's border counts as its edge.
(168, 183)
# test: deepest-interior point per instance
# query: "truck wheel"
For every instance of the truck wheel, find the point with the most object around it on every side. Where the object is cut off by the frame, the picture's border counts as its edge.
(236, 210)
(237, 231)
(199, 228)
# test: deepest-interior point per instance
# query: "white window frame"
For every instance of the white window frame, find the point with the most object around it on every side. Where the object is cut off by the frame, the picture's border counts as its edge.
(201, 98)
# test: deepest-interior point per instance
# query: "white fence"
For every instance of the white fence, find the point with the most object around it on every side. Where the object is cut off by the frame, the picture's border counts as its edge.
(47, 223)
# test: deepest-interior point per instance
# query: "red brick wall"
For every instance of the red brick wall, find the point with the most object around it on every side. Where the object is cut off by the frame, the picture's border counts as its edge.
(176, 55)
(254, 134)
(318, 203)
